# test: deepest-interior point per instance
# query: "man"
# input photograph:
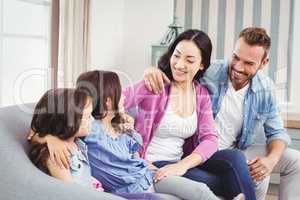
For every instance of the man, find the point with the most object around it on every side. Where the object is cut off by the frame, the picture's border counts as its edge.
(243, 101)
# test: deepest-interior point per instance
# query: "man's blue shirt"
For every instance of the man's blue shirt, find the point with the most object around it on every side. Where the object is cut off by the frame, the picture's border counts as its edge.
(260, 107)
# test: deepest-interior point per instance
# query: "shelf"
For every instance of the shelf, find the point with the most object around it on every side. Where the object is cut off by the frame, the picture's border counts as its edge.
(291, 120)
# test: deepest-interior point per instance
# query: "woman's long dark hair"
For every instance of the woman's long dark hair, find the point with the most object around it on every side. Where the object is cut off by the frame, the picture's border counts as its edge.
(201, 40)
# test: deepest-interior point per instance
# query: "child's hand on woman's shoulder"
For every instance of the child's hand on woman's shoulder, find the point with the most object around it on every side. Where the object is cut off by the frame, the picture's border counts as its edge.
(128, 123)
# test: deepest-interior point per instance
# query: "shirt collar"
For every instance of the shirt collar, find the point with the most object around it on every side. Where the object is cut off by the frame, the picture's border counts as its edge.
(255, 82)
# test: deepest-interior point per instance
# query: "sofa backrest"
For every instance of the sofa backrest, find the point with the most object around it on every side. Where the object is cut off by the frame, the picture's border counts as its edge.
(17, 120)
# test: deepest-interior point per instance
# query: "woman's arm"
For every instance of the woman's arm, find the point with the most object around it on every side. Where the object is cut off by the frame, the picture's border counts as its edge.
(191, 161)
(135, 94)
(179, 168)
(206, 132)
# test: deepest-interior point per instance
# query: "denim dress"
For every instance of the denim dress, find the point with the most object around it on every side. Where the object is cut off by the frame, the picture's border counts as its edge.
(113, 162)
(81, 173)
(79, 167)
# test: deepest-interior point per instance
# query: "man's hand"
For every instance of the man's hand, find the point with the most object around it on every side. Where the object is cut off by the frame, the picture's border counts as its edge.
(154, 79)
(176, 169)
(260, 167)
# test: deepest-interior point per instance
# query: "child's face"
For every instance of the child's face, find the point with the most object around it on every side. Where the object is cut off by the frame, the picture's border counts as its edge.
(84, 128)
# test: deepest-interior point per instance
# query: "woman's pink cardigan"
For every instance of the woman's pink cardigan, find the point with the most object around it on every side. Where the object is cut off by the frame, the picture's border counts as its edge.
(151, 107)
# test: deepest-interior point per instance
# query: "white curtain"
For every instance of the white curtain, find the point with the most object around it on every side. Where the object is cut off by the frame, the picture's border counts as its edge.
(74, 41)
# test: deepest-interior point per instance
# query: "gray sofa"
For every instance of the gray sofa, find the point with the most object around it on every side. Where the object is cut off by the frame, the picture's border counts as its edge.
(19, 178)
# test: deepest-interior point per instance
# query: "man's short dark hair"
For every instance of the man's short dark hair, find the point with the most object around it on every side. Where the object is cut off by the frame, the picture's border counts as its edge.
(256, 36)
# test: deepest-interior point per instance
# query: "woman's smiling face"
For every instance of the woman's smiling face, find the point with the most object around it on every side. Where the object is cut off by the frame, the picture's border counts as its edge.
(185, 61)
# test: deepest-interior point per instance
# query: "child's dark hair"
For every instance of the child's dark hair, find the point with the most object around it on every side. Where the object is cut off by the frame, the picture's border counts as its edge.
(89, 83)
(58, 113)
(102, 85)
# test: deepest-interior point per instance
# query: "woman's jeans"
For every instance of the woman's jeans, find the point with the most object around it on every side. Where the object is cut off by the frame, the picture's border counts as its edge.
(225, 173)
(139, 196)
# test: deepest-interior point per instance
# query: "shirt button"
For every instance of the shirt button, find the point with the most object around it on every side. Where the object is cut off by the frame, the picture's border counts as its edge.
(79, 166)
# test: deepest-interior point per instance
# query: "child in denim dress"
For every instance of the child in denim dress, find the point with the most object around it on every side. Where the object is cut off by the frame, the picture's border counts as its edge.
(80, 169)
(64, 113)
(114, 162)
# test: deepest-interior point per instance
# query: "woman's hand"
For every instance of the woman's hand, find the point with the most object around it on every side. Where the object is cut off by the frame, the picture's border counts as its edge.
(179, 168)
(152, 167)
(59, 151)
(176, 169)
(154, 79)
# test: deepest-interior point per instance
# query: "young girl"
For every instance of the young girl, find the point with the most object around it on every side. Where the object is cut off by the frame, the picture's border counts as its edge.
(113, 152)
(66, 114)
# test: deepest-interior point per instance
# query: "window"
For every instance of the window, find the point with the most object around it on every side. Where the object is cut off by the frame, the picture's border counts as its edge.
(24, 50)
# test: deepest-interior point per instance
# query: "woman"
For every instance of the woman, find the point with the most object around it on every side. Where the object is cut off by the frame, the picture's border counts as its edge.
(177, 124)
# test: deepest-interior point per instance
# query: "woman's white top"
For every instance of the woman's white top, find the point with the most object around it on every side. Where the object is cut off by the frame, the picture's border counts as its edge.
(167, 142)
